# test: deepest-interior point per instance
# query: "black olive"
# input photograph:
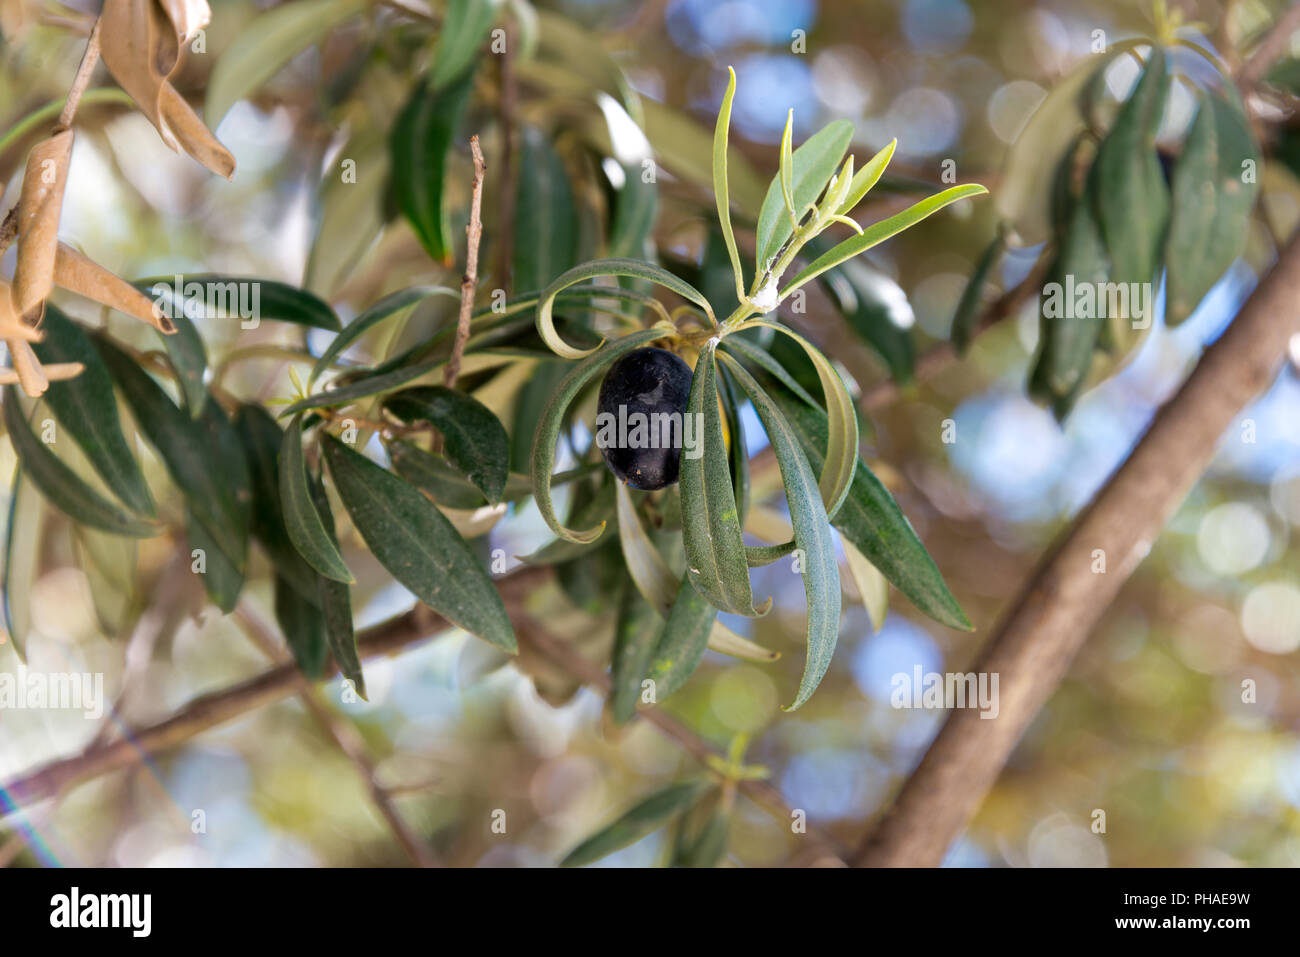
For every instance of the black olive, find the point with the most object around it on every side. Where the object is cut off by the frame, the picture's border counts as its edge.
(641, 417)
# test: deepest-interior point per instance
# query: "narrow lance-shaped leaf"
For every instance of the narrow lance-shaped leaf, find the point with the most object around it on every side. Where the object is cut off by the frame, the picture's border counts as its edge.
(721, 184)
(301, 518)
(1213, 196)
(635, 638)
(246, 299)
(418, 545)
(419, 144)
(711, 533)
(1068, 341)
(546, 218)
(86, 409)
(336, 605)
(303, 625)
(865, 179)
(205, 464)
(968, 307)
(60, 485)
(841, 421)
(462, 33)
(386, 308)
(607, 267)
(474, 440)
(1128, 186)
(872, 521)
(683, 640)
(812, 535)
(222, 579)
(812, 166)
(649, 815)
(543, 460)
(261, 439)
(877, 233)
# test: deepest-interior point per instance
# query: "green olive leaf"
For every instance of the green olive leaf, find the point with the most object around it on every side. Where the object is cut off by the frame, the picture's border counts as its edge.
(812, 534)
(60, 485)
(715, 548)
(1212, 202)
(418, 545)
(607, 267)
(877, 233)
(474, 439)
(647, 816)
(301, 518)
(86, 409)
(812, 166)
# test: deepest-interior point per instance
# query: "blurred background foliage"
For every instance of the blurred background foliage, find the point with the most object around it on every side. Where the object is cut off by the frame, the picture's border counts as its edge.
(1150, 725)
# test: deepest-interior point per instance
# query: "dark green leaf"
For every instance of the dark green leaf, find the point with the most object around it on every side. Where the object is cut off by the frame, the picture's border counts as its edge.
(60, 485)
(419, 144)
(1128, 187)
(261, 439)
(301, 518)
(872, 520)
(812, 534)
(418, 546)
(649, 815)
(303, 625)
(1213, 196)
(474, 439)
(968, 307)
(247, 299)
(203, 457)
(638, 632)
(546, 220)
(221, 579)
(464, 26)
(682, 642)
(336, 605)
(1068, 334)
(86, 409)
(714, 542)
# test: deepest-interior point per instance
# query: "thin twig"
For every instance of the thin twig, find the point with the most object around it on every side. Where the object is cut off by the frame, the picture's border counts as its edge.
(386, 638)
(506, 201)
(263, 634)
(88, 61)
(474, 232)
(1269, 49)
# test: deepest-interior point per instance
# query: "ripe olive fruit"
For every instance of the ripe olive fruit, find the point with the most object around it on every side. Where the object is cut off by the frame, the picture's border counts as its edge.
(641, 415)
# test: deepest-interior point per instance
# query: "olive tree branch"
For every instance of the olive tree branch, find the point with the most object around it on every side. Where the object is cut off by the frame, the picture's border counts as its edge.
(386, 638)
(263, 634)
(1049, 621)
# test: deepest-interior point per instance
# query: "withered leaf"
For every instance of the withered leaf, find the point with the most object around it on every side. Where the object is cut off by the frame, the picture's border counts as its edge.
(39, 207)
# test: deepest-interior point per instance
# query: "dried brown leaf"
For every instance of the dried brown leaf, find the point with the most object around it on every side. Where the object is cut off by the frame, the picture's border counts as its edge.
(140, 44)
(74, 271)
(39, 207)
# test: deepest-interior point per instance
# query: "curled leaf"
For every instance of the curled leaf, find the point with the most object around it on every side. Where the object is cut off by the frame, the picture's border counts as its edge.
(39, 207)
(74, 271)
(140, 44)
